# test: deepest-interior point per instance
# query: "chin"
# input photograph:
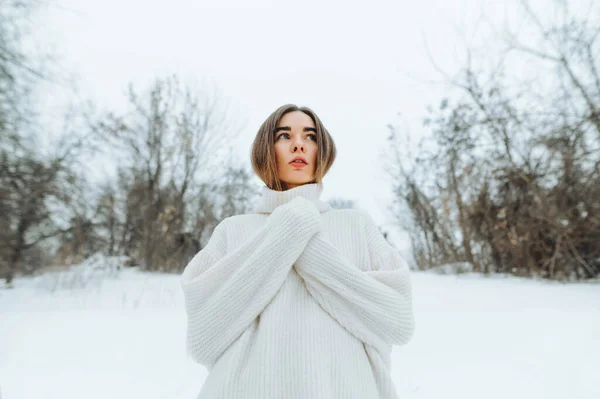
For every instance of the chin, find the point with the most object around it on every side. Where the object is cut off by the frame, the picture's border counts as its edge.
(297, 182)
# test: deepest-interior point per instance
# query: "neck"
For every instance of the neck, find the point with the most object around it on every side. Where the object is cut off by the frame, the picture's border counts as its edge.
(271, 199)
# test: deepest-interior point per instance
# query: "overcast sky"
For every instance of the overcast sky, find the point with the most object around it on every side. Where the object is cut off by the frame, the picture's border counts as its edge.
(356, 64)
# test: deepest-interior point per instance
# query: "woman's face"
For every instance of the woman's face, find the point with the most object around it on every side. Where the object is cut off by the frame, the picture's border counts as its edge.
(295, 137)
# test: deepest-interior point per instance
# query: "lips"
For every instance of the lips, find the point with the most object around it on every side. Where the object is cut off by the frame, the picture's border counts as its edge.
(298, 164)
(294, 161)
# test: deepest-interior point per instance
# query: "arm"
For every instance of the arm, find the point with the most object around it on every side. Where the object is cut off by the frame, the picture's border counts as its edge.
(225, 292)
(375, 306)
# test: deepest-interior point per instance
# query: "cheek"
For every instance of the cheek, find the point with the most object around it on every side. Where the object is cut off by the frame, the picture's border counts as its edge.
(313, 154)
(278, 153)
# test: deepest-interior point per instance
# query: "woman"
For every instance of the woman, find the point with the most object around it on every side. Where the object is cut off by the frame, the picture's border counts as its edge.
(296, 300)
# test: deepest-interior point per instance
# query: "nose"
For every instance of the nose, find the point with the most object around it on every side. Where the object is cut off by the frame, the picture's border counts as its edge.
(297, 144)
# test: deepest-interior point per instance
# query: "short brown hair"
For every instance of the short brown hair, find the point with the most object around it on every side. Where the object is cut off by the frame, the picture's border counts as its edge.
(263, 153)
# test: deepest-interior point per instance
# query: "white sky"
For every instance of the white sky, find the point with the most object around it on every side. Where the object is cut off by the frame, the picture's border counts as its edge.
(357, 64)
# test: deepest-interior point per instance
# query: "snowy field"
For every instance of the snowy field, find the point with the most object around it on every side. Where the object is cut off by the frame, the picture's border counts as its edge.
(97, 334)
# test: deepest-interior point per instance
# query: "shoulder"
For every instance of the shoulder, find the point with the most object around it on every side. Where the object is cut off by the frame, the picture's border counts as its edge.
(363, 221)
(353, 218)
(229, 227)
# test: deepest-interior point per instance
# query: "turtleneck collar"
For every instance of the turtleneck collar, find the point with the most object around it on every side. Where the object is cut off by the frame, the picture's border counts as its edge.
(271, 199)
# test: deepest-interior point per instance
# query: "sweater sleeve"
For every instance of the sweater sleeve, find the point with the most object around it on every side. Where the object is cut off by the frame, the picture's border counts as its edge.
(225, 291)
(376, 305)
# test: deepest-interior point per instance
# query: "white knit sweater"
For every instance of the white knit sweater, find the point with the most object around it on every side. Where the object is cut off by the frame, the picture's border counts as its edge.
(298, 301)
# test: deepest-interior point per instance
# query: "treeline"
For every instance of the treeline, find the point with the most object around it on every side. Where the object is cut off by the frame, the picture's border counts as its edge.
(166, 197)
(509, 179)
(169, 190)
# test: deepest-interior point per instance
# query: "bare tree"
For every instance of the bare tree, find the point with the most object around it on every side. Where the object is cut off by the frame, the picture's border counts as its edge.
(166, 145)
(31, 182)
(513, 176)
(31, 188)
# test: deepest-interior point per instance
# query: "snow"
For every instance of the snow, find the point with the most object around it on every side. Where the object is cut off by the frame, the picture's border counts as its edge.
(121, 334)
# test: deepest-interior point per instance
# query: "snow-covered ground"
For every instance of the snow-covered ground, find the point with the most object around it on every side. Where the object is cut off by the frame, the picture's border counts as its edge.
(97, 334)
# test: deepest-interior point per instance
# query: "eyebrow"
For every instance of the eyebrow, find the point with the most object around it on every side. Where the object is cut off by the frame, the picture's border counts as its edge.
(287, 128)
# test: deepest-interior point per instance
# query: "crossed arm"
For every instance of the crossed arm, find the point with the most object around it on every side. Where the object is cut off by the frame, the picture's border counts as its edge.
(375, 306)
(225, 291)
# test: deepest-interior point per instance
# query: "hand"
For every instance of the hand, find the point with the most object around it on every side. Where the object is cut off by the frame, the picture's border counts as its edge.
(305, 205)
(302, 210)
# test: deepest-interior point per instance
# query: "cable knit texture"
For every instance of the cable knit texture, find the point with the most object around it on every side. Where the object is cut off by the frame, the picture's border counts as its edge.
(298, 301)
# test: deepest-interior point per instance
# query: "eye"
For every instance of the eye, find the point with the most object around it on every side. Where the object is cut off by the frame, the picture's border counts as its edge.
(282, 134)
(314, 137)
